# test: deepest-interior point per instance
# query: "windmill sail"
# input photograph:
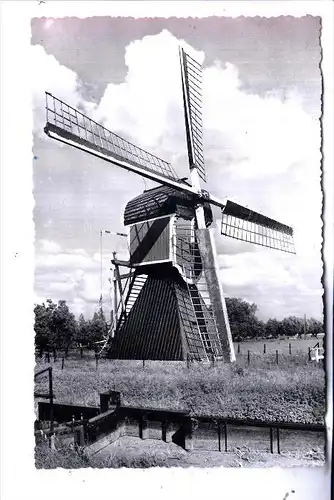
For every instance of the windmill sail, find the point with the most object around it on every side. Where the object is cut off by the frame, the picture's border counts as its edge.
(243, 224)
(191, 72)
(67, 124)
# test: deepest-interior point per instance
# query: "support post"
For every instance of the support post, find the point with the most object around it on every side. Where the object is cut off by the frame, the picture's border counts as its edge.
(79, 436)
(143, 427)
(119, 283)
(276, 356)
(264, 348)
(225, 436)
(211, 272)
(115, 291)
(51, 398)
(271, 440)
(167, 431)
(278, 441)
(290, 348)
(212, 360)
(248, 357)
(188, 435)
(219, 436)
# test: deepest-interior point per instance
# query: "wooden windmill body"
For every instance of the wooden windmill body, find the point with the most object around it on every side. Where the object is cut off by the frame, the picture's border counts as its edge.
(172, 306)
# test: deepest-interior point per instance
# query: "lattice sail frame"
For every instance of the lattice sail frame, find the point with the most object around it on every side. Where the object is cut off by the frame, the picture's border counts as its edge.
(71, 124)
(191, 72)
(243, 224)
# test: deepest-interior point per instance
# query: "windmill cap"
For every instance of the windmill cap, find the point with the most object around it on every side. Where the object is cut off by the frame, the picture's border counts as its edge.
(160, 201)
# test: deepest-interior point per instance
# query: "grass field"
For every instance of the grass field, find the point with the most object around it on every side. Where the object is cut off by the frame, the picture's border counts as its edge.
(292, 390)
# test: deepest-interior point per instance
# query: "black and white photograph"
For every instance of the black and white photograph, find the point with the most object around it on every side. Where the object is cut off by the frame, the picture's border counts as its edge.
(179, 305)
(179, 313)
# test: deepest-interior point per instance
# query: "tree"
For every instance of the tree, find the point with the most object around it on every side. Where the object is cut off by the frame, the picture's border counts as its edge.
(55, 326)
(272, 328)
(63, 326)
(314, 327)
(83, 331)
(243, 320)
(42, 328)
(292, 326)
(97, 328)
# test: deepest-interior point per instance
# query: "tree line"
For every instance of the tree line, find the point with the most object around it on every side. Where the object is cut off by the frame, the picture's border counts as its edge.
(245, 324)
(57, 328)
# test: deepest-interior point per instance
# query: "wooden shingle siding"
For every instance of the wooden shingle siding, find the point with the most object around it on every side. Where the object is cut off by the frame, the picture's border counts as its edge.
(160, 201)
(161, 324)
(152, 328)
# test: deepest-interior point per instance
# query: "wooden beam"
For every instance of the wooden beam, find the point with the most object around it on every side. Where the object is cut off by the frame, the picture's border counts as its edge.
(211, 273)
(124, 276)
(67, 138)
(123, 263)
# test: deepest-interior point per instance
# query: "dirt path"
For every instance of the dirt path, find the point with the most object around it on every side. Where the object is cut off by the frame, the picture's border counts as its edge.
(138, 453)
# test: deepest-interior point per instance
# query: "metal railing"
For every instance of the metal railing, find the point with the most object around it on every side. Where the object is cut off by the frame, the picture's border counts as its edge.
(50, 395)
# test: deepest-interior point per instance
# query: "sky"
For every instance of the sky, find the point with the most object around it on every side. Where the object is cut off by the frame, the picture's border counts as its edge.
(261, 114)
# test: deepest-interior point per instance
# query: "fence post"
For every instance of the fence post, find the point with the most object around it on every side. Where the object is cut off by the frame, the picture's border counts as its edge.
(225, 435)
(248, 357)
(219, 436)
(81, 351)
(143, 363)
(188, 434)
(276, 356)
(264, 348)
(188, 361)
(290, 348)
(278, 441)
(48, 356)
(62, 362)
(309, 353)
(271, 440)
(51, 398)
(238, 348)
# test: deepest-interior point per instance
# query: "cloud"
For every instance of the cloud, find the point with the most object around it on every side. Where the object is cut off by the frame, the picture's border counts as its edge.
(48, 75)
(73, 276)
(261, 151)
(147, 106)
(252, 135)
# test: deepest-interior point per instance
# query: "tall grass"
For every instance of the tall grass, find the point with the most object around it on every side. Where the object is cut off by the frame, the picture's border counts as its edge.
(292, 391)
(76, 458)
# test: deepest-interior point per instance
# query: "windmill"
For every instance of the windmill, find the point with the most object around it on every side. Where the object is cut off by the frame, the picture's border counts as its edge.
(171, 304)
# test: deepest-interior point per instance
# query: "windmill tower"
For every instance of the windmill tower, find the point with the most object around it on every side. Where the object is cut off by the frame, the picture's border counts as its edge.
(171, 306)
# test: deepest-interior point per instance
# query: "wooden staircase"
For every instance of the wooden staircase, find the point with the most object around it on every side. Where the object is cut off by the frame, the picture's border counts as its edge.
(135, 288)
